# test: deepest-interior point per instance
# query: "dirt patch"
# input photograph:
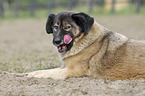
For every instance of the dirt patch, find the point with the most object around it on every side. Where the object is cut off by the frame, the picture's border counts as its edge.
(12, 85)
(25, 47)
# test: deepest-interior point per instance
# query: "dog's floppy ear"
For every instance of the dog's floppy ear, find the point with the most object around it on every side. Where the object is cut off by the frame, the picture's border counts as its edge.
(49, 23)
(84, 21)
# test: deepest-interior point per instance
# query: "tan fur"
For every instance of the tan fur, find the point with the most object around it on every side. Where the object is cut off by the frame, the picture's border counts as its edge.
(101, 54)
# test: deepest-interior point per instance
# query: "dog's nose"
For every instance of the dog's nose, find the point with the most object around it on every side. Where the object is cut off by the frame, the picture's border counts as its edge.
(57, 41)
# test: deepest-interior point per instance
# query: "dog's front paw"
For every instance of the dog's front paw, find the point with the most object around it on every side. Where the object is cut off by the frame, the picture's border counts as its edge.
(38, 74)
(57, 73)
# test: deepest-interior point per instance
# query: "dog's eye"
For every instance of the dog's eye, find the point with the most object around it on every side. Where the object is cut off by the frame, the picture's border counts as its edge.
(67, 27)
(55, 27)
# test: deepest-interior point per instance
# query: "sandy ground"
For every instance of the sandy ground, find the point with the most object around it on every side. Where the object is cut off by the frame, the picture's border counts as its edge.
(25, 47)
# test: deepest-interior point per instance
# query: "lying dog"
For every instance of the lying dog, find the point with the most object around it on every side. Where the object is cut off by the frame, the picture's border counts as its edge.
(89, 49)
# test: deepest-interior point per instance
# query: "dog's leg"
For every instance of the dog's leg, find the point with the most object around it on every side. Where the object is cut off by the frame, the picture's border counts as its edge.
(57, 73)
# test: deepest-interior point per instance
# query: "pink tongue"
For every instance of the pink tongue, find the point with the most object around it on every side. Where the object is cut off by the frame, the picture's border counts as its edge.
(67, 39)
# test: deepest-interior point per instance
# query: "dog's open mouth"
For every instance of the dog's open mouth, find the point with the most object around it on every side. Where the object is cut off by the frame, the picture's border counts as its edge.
(67, 41)
(62, 48)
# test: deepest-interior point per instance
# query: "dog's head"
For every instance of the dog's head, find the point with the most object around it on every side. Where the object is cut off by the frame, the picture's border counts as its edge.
(66, 27)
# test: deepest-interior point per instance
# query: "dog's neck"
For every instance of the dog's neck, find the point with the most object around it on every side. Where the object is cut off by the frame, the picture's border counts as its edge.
(96, 32)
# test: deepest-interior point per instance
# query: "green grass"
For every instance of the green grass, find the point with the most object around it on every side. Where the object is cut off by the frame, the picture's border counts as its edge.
(22, 64)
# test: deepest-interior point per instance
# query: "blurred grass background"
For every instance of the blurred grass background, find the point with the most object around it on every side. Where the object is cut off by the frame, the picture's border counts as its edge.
(10, 9)
(24, 44)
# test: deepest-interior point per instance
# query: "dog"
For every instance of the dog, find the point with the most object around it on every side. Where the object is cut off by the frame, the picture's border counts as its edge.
(89, 49)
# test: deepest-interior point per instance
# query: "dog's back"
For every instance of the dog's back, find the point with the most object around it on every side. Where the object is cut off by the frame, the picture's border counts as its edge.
(123, 58)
